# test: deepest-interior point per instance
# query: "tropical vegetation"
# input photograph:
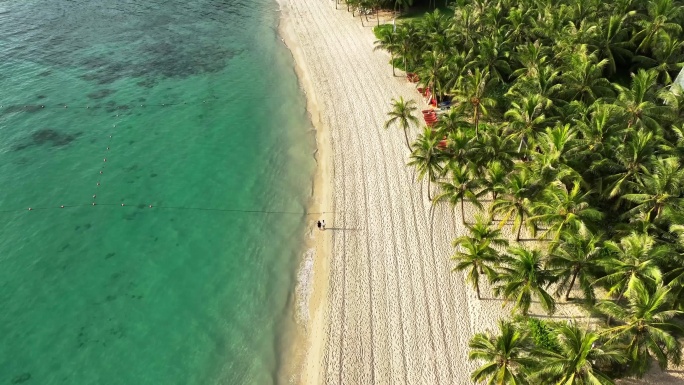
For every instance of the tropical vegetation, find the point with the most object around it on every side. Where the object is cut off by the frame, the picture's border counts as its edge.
(562, 123)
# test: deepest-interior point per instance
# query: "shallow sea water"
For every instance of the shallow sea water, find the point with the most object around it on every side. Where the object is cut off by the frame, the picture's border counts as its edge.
(196, 108)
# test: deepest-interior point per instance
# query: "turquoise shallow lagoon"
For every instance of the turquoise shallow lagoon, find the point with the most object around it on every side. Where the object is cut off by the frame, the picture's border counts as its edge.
(196, 108)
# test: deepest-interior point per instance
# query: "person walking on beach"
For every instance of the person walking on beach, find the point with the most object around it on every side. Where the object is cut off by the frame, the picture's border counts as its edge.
(319, 225)
(323, 224)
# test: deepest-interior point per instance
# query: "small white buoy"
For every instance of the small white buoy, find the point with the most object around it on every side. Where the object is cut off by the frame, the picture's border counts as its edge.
(94, 195)
(62, 206)
(98, 183)
(122, 205)
(150, 206)
(65, 106)
(100, 171)
(105, 159)
(93, 203)
(30, 209)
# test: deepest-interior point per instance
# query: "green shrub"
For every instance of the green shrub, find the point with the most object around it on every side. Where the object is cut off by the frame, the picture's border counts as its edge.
(542, 335)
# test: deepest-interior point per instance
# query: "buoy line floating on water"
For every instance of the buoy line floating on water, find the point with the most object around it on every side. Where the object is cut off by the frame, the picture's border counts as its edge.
(146, 205)
(19, 106)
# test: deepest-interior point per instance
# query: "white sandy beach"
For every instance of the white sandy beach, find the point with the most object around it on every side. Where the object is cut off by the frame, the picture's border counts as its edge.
(385, 306)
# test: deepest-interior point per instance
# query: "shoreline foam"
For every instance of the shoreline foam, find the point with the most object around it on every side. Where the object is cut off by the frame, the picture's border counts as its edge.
(310, 299)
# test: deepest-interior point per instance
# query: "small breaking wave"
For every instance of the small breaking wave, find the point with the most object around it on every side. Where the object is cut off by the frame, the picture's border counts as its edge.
(304, 287)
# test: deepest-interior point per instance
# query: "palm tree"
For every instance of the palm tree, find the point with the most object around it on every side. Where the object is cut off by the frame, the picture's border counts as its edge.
(544, 82)
(426, 157)
(506, 358)
(482, 231)
(638, 102)
(406, 42)
(451, 122)
(554, 158)
(402, 116)
(612, 42)
(561, 208)
(494, 178)
(629, 162)
(630, 261)
(462, 186)
(532, 57)
(493, 55)
(387, 41)
(598, 133)
(491, 147)
(433, 71)
(577, 255)
(526, 117)
(514, 200)
(523, 277)
(579, 359)
(667, 58)
(645, 327)
(658, 191)
(662, 16)
(582, 78)
(477, 257)
(459, 147)
(472, 93)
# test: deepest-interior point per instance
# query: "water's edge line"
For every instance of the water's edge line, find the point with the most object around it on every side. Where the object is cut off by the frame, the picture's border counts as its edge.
(313, 341)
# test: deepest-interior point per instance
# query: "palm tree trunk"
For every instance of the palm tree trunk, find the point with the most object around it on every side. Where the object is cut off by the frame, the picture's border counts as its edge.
(477, 290)
(392, 58)
(517, 236)
(462, 212)
(429, 195)
(572, 283)
(377, 15)
(477, 123)
(407, 142)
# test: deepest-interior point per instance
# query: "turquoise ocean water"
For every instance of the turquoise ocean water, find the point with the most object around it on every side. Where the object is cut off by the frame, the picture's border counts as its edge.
(195, 107)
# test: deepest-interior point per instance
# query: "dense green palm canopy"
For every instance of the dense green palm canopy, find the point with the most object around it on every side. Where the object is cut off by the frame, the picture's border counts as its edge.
(646, 327)
(659, 191)
(562, 208)
(505, 356)
(578, 359)
(631, 261)
(563, 112)
(514, 200)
